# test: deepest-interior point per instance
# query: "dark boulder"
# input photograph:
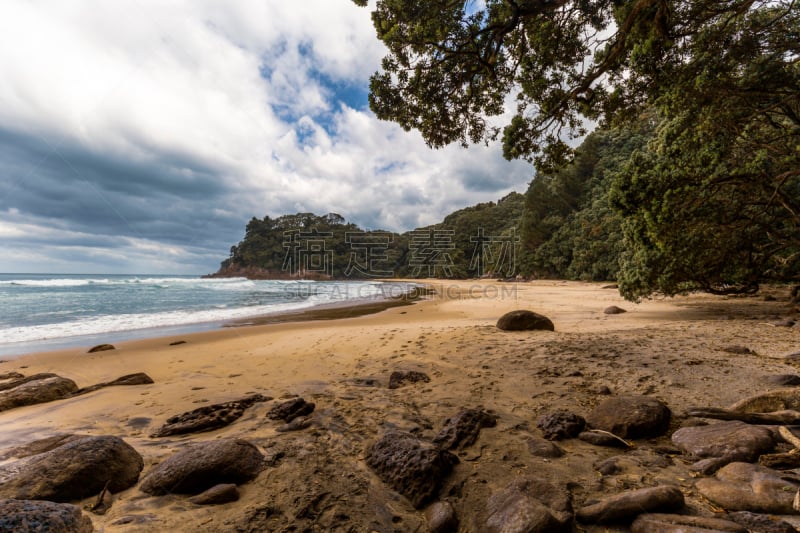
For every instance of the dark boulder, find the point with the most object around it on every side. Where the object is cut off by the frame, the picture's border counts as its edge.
(139, 378)
(73, 471)
(631, 417)
(561, 425)
(627, 505)
(26, 516)
(399, 378)
(524, 320)
(463, 429)
(290, 409)
(529, 505)
(614, 310)
(101, 348)
(414, 468)
(676, 523)
(218, 494)
(724, 443)
(201, 466)
(39, 388)
(544, 448)
(747, 487)
(441, 518)
(209, 417)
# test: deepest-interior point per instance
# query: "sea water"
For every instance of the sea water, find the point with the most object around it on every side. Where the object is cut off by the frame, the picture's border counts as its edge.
(46, 311)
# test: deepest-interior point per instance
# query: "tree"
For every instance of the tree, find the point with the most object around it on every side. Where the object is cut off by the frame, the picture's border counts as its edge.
(712, 202)
(569, 229)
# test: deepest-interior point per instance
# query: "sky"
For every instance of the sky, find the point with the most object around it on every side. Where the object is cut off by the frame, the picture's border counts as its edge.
(140, 136)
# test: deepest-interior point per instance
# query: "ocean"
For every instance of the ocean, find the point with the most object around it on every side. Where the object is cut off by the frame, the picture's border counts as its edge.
(47, 312)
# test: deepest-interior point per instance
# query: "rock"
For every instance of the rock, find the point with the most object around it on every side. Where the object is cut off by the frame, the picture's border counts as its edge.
(777, 400)
(177, 343)
(39, 446)
(462, 430)
(414, 468)
(676, 523)
(101, 348)
(26, 516)
(747, 487)
(614, 310)
(441, 518)
(140, 378)
(73, 471)
(201, 466)
(738, 350)
(611, 286)
(560, 425)
(608, 467)
(529, 505)
(222, 493)
(10, 376)
(209, 417)
(631, 417)
(39, 388)
(291, 409)
(602, 438)
(523, 320)
(297, 424)
(400, 378)
(785, 323)
(783, 380)
(760, 523)
(626, 505)
(544, 448)
(727, 441)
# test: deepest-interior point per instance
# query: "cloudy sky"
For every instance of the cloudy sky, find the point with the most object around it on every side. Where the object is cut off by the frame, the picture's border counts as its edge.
(139, 136)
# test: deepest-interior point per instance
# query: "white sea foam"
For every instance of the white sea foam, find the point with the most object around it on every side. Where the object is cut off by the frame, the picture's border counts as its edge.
(300, 295)
(134, 321)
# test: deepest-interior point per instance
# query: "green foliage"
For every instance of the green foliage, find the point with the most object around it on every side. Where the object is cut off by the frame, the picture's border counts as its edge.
(568, 227)
(446, 249)
(713, 202)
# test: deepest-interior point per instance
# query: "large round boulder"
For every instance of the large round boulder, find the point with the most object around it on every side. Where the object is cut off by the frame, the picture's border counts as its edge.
(76, 470)
(631, 417)
(25, 516)
(524, 320)
(39, 388)
(204, 465)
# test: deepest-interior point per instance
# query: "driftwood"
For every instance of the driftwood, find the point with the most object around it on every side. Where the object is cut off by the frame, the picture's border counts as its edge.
(781, 461)
(786, 417)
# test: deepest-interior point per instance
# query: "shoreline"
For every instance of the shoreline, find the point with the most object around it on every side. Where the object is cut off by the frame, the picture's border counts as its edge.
(327, 311)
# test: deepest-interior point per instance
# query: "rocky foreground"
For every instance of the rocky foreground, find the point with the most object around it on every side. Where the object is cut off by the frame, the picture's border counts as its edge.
(678, 425)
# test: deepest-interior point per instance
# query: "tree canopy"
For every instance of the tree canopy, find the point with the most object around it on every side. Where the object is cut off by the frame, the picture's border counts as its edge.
(711, 202)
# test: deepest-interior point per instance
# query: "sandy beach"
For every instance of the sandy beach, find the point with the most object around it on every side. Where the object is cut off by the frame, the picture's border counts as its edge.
(316, 480)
